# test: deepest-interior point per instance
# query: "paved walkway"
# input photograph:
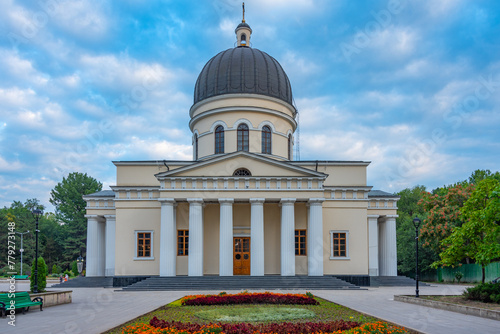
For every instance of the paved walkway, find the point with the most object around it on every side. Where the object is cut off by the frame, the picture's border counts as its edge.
(97, 310)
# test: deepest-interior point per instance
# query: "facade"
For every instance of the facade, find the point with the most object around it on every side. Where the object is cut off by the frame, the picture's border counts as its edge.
(242, 206)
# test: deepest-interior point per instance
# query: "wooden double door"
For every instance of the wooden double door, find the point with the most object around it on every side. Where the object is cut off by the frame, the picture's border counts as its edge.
(241, 256)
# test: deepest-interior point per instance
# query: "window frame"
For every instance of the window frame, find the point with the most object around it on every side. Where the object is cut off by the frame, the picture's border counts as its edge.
(151, 255)
(243, 138)
(297, 243)
(219, 140)
(184, 242)
(267, 141)
(332, 252)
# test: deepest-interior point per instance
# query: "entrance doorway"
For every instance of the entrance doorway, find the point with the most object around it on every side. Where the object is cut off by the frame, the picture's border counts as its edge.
(241, 260)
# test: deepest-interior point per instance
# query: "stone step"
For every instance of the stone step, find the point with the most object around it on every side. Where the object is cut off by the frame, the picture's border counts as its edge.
(237, 283)
(393, 281)
(86, 282)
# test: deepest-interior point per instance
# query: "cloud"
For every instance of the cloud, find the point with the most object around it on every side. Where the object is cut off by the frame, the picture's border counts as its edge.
(6, 166)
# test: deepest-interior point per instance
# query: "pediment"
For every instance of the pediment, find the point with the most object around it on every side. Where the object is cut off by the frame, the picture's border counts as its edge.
(224, 166)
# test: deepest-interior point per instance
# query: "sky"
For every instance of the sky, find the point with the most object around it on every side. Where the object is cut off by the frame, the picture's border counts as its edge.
(412, 86)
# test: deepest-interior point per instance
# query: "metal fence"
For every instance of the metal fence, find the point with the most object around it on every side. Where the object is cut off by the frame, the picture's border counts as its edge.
(470, 272)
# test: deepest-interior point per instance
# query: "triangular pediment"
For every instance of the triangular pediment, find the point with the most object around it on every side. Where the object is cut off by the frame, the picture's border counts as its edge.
(225, 165)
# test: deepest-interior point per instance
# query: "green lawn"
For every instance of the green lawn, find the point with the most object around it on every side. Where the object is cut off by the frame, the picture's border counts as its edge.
(325, 311)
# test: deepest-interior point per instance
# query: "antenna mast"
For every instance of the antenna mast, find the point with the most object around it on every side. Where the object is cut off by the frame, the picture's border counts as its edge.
(298, 137)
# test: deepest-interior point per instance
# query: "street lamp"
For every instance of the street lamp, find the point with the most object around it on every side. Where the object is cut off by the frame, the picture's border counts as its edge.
(21, 250)
(37, 214)
(79, 264)
(416, 223)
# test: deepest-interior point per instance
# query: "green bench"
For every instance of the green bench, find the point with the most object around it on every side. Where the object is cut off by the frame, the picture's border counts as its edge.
(21, 300)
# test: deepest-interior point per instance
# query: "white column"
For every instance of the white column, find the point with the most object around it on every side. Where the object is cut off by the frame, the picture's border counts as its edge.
(168, 237)
(388, 247)
(392, 252)
(110, 245)
(373, 253)
(257, 236)
(315, 237)
(287, 237)
(92, 260)
(101, 248)
(226, 237)
(195, 257)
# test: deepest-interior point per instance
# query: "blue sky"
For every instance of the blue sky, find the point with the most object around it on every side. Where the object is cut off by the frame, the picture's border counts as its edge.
(413, 86)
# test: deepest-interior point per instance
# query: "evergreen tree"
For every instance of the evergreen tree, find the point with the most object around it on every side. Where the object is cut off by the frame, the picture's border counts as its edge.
(408, 208)
(70, 210)
(42, 275)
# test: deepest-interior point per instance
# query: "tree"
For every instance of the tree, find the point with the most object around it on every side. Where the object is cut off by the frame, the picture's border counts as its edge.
(42, 275)
(408, 208)
(70, 209)
(481, 174)
(443, 213)
(479, 237)
(21, 214)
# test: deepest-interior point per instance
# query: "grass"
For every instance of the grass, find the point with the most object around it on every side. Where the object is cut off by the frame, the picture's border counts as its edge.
(325, 311)
(255, 314)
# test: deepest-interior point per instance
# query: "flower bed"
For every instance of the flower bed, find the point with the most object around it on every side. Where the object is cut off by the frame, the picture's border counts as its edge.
(183, 317)
(337, 327)
(249, 298)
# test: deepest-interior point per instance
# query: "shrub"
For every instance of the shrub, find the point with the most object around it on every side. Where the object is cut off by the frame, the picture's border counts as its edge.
(458, 276)
(42, 275)
(248, 328)
(250, 298)
(74, 268)
(485, 292)
(56, 269)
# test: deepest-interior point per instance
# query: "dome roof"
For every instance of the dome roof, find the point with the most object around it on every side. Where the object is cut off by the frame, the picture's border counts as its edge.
(243, 70)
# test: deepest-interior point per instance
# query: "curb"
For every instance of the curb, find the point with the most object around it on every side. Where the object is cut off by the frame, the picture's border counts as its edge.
(469, 310)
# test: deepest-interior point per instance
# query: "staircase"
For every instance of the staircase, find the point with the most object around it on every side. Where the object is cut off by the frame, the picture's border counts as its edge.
(86, 282)
(376, 281)
(221, 283)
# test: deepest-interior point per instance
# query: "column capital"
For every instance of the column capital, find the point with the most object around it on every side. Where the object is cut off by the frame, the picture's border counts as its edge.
(392, 216)
(226, 200)
(315, 201)
(288, 201)
(195, 200)
(257, 200)
(110, 217)
(91, 216)
(165, 201)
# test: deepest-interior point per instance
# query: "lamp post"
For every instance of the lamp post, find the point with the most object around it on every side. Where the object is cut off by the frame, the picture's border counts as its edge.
(21, 250)
(36, 213)
(416, 223)
(79, 264)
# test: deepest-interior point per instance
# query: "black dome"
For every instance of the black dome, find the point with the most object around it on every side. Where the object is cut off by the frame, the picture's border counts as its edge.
(243, 70)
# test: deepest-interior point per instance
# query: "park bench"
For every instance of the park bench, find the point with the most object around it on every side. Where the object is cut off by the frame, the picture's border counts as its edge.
(21, 299)
(20, 276)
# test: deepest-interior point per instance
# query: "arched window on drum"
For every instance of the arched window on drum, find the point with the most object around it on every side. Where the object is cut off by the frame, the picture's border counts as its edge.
(243, 137)
(266, 140)
(219, 139)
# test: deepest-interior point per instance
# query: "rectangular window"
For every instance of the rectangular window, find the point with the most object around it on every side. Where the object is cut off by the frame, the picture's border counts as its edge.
(144, 245)
(339, 244)
(182, 242)
(300, 242)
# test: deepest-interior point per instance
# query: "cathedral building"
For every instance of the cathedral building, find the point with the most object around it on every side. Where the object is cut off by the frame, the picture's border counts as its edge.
(243, 205)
